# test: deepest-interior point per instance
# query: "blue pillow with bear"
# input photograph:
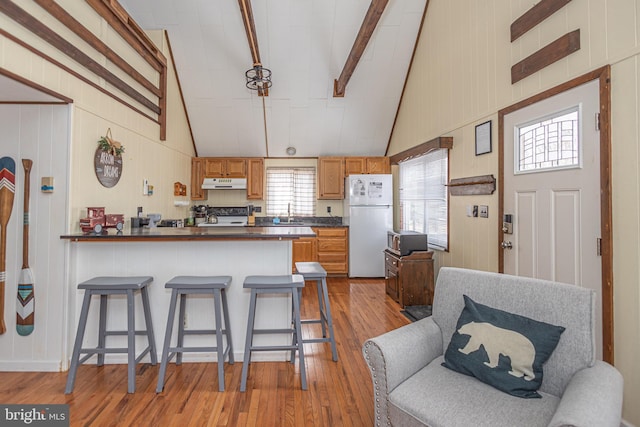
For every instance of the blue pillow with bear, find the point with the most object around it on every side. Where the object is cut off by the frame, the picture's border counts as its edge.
(502, 349)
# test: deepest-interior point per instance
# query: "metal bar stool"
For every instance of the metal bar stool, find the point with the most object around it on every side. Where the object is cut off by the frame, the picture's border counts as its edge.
(105, 286)
(288, 284)
(183, 286)
(313, 271)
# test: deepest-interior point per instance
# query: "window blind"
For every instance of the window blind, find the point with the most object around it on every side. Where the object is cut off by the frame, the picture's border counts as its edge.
(424, 197)
(291, 187)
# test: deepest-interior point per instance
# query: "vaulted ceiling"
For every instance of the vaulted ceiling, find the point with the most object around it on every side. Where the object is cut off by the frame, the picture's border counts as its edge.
(306, 44)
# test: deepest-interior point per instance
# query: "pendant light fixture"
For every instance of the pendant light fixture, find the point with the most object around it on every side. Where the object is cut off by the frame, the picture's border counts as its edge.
(258, 78)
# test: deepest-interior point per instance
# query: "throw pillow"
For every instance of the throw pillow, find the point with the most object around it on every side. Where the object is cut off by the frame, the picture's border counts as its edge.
(502, 349)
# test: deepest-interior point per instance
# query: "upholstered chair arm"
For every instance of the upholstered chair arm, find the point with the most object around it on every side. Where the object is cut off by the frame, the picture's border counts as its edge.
(397, 355)
(593, 397)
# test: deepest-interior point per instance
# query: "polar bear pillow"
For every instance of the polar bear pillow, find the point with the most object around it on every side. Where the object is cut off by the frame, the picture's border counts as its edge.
(502, 349)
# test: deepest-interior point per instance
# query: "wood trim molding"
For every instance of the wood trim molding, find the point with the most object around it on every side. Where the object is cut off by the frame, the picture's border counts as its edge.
(406, 77)
(252, 38)
(184, 105)
(124, 25)
(534, 16)
(70, 22)
(32, 24)
(74, 73)
(602, 74)
(63, 99)
(549, 54)
(471, 186)
(424, 148)
(359, 45)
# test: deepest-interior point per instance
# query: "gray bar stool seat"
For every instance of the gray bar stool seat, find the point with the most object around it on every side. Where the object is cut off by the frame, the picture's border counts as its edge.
(183, 286)
(313, 271)
(286, 284)
(105, 286)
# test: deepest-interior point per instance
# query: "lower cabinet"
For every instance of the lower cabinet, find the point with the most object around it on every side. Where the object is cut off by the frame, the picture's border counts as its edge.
(409, 279)
(330, 248)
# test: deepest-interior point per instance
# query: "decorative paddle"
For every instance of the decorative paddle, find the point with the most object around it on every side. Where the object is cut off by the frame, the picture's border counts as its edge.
(7, 190)
(25, 305)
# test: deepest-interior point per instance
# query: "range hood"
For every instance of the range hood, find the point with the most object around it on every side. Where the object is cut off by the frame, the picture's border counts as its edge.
(224, 184)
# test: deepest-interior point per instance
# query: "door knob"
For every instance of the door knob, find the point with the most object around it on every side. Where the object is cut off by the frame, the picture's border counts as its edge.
(506, 245)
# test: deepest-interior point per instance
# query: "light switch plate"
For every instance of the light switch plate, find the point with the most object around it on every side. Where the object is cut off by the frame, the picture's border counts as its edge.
(483, 211)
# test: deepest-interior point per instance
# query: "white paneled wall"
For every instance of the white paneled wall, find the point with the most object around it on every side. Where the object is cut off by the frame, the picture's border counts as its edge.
(460, 77)
(39, 133)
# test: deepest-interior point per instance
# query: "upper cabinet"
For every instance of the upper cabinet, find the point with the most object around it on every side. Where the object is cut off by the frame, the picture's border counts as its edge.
(333, 170)
(197, 175)
(255, 179)
(366, 165)
(331, 178)
(225, 167)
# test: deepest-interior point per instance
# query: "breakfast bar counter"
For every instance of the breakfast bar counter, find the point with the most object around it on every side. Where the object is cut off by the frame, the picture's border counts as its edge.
(167, 252)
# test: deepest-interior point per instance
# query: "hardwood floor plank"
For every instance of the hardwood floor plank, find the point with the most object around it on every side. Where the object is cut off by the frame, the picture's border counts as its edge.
(339, 394)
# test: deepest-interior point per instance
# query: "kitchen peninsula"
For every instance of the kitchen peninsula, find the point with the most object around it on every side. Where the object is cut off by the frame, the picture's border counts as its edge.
(167, 252)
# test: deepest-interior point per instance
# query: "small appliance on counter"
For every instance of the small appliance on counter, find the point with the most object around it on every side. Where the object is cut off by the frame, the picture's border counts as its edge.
(154, 219)
(171, 223)
(404, 242)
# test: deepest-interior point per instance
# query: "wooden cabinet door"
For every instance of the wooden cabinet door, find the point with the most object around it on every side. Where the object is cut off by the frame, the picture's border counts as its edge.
(197, 175)
(354, 165)
(303, 250)
(378, 165)
(236, 168)
(331, 178)
(392, 282)
(255, 179)
(214, 168)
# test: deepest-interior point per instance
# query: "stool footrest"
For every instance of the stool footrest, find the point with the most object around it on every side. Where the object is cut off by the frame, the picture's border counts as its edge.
(202, 332)
(273, 331)
(315, 340)
(120, 333)
(274, 348)
(194, 349)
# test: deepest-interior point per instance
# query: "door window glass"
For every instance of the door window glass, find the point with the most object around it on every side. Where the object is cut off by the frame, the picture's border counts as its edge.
(551, 142)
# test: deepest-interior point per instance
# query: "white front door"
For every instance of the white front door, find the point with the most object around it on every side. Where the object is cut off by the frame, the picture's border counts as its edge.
(552, 191)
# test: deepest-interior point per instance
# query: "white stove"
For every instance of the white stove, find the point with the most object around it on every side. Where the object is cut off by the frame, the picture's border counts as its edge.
(226, 217)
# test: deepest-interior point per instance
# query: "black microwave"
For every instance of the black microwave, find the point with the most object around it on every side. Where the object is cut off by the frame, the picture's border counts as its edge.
(404, 242)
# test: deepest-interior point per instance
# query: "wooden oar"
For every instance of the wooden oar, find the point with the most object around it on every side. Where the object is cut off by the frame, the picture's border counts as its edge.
(7, 190)
(25, 305)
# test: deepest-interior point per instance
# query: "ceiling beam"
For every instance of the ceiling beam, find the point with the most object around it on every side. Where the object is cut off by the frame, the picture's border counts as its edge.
(250, 29)
(366, 30)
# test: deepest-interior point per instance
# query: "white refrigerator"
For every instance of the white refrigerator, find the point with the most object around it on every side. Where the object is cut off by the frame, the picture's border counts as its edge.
(368, 211)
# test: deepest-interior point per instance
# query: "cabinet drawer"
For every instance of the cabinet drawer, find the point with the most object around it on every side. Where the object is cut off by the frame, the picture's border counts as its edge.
(332, 245)
(330, 232)
(330, 257)
(335, 267)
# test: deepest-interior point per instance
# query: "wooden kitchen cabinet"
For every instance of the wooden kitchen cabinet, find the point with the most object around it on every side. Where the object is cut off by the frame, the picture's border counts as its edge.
(331, 178)
(197, 175)
(366, 165)
(255, 179)
(378, 165)
(219, 167)
(303, 249)
(409, 279)
(333, 249)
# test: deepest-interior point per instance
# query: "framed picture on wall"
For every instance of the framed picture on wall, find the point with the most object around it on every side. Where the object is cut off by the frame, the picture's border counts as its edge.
(483, 138)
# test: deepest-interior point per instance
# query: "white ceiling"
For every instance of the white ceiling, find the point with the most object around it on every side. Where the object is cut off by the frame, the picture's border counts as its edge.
(305, 43)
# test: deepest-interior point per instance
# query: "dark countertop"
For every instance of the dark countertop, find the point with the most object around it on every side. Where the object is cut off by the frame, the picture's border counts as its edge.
(195, 233)
(320, 221)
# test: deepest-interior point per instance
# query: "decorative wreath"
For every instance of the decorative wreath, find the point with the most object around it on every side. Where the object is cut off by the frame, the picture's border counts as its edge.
(110, 145)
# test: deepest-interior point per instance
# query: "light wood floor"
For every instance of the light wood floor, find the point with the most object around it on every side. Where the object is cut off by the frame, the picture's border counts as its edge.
(339, 394)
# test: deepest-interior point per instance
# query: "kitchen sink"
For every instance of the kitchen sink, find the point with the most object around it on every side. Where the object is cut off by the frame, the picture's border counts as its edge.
(292, 223)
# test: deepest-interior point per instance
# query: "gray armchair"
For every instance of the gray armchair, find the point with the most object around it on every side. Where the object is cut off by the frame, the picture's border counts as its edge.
(412, 388)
